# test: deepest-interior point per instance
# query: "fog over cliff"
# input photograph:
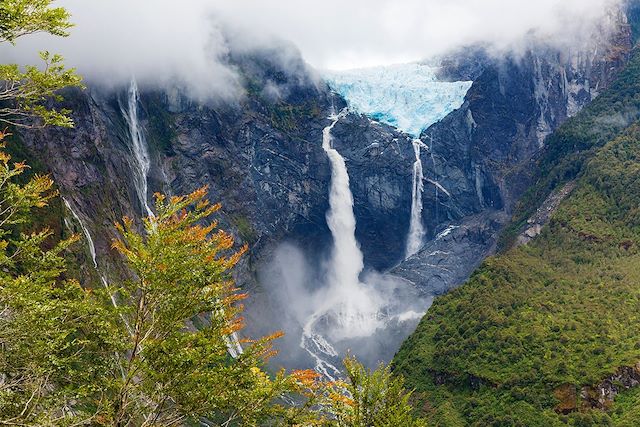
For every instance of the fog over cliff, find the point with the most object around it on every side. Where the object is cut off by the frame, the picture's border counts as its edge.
(187, 42)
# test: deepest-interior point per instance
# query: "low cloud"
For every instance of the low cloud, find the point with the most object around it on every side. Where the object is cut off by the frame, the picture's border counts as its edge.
(186, 43)
(349, 34)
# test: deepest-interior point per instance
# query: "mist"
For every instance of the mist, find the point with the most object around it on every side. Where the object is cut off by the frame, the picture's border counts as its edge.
(296, 287)
(186, 44)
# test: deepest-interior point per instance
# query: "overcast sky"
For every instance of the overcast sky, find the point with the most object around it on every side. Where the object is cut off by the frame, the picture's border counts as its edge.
(165, 40)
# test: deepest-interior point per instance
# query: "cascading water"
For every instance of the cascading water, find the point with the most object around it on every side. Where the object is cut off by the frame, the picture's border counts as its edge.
(138, 147)
(92, 250)
(411, 98)
(416, 228)
(348, 309)
(346, 261)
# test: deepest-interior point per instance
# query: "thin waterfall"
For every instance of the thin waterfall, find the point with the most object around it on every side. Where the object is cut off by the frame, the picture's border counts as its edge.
(416, 228)
(92, 250)
(139, 149)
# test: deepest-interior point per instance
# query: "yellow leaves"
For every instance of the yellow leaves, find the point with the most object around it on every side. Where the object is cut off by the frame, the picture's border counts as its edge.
(260, 376)
(159, 198)
(340, 398)
(4, 157)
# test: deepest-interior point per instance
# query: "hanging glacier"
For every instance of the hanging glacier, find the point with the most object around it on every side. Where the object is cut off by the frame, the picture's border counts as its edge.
(408, 97)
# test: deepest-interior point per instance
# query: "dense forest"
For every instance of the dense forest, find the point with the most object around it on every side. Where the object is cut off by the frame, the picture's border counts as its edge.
(546, 333)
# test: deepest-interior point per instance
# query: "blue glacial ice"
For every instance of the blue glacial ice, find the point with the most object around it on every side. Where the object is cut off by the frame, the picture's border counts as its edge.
(406, 96)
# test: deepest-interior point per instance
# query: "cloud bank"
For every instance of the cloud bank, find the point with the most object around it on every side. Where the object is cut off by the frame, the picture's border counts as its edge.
(169, 42)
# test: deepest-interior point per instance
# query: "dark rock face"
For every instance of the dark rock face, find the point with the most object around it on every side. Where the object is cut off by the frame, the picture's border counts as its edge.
(448, 259)
(261, 157)
(482, 155)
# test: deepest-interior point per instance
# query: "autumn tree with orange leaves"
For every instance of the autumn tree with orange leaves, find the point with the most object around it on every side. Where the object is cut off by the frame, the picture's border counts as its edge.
(181, 361)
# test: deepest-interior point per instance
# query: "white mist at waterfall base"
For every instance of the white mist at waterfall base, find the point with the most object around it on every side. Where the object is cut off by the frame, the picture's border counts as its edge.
(323, 322)
(141, 159)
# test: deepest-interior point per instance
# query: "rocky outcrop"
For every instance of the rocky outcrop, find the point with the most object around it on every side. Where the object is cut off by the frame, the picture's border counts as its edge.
(543, 214)
(449, 258)
(600, 396)
(481, 157)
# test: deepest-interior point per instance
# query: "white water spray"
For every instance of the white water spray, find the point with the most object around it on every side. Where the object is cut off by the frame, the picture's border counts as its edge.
(139, 147)
(416, 229)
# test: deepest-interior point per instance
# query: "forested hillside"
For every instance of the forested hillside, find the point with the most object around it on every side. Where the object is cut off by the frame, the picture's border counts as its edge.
(546, 333)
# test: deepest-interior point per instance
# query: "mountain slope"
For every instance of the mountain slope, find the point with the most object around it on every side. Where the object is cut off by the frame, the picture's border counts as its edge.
(547, 333)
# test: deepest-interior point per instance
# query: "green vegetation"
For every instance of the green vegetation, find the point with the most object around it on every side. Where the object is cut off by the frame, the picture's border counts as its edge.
(244, 227)
(373, 399)
(24, 92)
(286, 117)
(44, 319)
(537, 323)
(161, 125)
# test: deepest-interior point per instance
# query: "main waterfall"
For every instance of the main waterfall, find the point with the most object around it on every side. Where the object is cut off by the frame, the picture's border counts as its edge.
(139, 148)
(345, 305)
(346, 260)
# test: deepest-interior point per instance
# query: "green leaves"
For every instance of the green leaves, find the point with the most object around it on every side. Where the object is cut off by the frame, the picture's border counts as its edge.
(21, 17)
(370, 398)
(54, 343)
(26, 93)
